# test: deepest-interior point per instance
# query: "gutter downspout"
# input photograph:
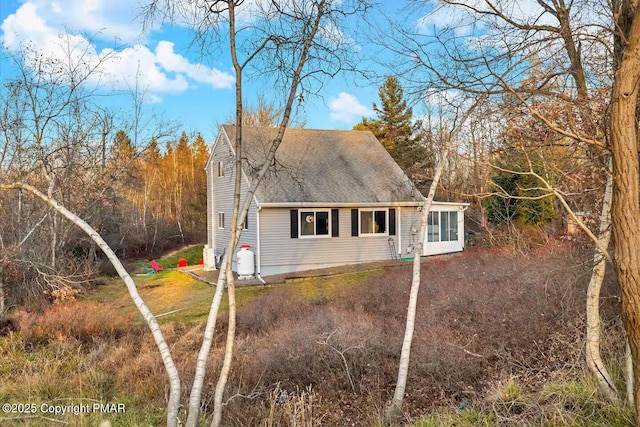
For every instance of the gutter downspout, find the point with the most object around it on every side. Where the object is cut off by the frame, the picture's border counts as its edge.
(258, 209)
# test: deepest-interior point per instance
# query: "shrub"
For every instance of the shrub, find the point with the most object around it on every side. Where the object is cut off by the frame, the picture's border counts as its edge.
(268, 310)
(83, 321)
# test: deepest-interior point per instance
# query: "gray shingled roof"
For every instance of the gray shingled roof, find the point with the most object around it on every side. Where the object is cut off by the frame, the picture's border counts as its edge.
(325, 166)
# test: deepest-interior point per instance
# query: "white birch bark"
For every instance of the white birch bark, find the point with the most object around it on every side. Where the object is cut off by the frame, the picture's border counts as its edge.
(238, 218)
(169, 365)
(393, 411)
(228, 353)
(594, 326)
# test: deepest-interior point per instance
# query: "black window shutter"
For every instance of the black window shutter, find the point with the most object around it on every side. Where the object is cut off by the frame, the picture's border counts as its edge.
(294, 223)
(335, 225)
(392, 222)
(354, 222)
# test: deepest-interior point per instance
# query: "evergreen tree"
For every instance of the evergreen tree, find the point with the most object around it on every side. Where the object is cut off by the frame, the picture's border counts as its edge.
(402, 136)
(122, 150)
(519, 197)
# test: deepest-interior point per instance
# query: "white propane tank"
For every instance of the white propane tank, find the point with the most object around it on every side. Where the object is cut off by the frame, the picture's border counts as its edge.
(246, 267)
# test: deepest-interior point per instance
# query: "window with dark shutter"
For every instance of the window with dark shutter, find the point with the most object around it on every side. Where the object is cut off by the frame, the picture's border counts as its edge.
(354, 222)
(373, 222)
(294, 223)
(335, 227)
(392, 222)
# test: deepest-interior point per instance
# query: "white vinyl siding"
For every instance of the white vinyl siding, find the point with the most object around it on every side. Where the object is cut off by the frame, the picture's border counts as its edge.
(210, 206)
(409, 229)
(222, 187)
(280, 253)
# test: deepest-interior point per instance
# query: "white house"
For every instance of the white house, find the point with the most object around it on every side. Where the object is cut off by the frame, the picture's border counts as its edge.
(331, 198)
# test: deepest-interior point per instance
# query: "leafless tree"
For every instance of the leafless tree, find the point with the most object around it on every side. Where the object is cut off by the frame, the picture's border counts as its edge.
(556, 61)
(299, 44)
(393, 411)
(53, 137)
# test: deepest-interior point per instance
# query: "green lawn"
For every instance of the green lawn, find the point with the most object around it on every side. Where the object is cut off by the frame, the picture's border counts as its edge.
(192, 254)
(166, 292)
(328, 286)
(185, 298)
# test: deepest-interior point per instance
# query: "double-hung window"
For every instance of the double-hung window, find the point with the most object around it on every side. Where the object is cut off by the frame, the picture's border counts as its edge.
(314, 223)
(220, 169)
(373, 222)
(221, 220)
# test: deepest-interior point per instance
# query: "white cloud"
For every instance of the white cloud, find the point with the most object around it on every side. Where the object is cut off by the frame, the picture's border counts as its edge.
(155, 73)
(25, 21)
(173, 62)
(106, 19)
(346, 108)
(136, 66)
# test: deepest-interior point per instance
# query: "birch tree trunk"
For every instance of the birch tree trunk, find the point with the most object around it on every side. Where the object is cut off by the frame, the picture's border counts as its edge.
(228, 353)
(169, 365)
(394, 409)
(393, 412)
(594, 327)
(238, 219)
(235, 233)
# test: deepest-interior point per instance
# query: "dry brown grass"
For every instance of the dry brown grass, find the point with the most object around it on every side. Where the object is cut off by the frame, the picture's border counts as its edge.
(484, 316)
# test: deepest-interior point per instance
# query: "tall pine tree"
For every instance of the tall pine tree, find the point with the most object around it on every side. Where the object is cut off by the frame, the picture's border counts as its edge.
(400, 134)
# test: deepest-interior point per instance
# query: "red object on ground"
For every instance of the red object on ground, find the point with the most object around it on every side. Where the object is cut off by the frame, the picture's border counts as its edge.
(155, 266)
(201, 261)
(182, 262)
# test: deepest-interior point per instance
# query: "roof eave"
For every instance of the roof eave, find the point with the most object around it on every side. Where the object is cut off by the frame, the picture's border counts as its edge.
(352, 204)
(336, 204)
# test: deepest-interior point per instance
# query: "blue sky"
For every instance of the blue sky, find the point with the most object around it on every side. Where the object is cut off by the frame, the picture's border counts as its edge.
(180, 84)
(197, 91)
